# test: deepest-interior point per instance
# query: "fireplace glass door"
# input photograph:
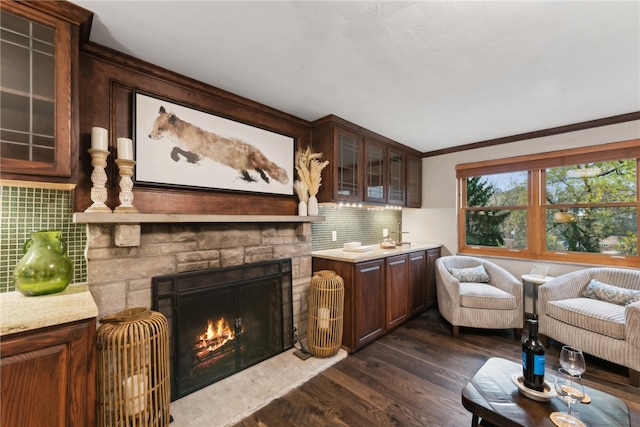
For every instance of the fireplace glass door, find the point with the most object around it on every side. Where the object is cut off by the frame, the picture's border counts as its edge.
(224, 320)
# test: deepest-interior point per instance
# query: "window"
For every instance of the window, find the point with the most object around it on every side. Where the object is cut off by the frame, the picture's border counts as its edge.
(572, 205)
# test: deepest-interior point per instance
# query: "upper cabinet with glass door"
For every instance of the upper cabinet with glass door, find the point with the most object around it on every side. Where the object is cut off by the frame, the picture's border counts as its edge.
(397, 177)
(342, 179)
(38, 52)
(364, 167)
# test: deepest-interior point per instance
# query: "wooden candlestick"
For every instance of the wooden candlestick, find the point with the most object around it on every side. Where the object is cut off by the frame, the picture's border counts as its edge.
(99, 179)
(126, 186)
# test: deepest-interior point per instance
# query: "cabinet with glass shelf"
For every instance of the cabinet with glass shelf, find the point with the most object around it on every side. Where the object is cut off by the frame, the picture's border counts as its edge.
(364, 167)
(396, 193)
(342, 181)
(375, 171)
(39, 55)
(414, 181)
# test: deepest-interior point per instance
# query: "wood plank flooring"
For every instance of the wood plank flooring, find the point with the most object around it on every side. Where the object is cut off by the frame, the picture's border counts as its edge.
(413, 377)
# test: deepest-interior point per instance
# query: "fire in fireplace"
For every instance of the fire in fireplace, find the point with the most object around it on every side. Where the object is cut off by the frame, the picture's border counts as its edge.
(224, 320)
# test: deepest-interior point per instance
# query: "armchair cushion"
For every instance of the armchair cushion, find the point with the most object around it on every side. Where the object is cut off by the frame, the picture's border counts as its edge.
(482, 295)
(590, 315)
(609, 293)
(473, 274)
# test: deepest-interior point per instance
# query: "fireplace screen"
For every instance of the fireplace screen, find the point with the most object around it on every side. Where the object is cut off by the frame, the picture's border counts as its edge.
(224, 320)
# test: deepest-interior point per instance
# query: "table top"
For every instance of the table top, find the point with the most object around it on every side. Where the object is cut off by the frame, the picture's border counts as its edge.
(492, 395)
(536, 280)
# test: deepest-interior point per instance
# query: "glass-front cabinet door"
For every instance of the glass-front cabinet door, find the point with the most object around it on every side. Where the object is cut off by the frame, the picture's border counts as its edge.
(414, 181)
(397, 168)
(35, 92)
(347, 168)
(375, 171)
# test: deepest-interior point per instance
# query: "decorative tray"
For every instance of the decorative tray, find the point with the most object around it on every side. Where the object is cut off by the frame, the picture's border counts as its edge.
(541, 396)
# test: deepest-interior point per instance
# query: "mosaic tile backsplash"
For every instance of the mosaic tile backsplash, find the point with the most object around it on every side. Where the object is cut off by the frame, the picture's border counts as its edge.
(25, 210)
(353, 225)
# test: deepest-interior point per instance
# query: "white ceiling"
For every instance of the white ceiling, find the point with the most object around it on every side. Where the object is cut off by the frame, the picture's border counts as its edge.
(428, 74)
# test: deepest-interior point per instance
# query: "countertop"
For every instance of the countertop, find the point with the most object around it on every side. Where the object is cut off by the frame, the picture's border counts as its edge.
(19, 313)
(376, 253)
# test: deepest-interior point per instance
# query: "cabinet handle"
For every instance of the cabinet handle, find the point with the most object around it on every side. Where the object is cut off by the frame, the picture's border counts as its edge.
(366, 270)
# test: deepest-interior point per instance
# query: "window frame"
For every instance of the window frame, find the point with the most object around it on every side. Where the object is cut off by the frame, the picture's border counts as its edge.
(536, 165)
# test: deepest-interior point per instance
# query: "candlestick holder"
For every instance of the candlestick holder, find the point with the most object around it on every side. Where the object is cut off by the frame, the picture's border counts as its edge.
(126, 186)
(99, 179)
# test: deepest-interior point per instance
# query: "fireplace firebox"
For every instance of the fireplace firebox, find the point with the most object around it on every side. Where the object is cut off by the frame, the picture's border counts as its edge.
(224, 320)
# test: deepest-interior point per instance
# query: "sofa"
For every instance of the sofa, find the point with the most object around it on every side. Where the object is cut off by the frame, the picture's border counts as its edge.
(596, 310)
(492, 300)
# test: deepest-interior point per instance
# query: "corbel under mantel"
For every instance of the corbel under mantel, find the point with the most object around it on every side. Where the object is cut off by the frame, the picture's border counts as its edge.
(127, 225)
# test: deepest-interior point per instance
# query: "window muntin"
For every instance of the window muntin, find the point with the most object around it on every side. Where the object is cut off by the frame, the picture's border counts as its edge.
(581, 206)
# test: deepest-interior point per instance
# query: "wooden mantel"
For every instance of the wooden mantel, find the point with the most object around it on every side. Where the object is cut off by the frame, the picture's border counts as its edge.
(143, 218)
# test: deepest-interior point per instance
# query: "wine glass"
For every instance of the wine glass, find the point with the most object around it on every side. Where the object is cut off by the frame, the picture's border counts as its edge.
(572, 360)
(570, 389)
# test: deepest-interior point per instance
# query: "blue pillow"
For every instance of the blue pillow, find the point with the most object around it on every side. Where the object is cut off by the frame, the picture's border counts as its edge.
(473, 274)
(609, 293)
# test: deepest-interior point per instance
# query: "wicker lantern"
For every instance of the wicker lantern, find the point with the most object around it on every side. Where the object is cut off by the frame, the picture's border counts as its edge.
(133, 370)
(326, 305)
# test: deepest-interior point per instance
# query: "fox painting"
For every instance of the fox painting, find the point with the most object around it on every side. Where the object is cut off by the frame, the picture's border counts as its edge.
(194, 143)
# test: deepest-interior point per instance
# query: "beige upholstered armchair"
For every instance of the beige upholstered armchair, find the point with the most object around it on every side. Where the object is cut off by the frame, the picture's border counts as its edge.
(468, 298)
(596, 310)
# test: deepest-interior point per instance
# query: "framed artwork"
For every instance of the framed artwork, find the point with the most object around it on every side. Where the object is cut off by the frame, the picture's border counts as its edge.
(181, 146)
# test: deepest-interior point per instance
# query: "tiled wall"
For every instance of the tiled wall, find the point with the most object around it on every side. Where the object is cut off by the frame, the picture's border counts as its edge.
(27, 209)
(353, 225)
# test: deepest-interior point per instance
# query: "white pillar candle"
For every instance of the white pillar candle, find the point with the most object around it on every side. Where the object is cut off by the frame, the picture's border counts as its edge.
(125, 149)
(135, 390)
(323, 318)
(99, 138)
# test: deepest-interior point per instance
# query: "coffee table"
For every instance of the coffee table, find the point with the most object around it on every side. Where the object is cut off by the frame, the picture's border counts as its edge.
(492, 396)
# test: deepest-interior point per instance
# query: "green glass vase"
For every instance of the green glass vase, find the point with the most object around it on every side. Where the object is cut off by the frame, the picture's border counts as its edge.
(45, 267)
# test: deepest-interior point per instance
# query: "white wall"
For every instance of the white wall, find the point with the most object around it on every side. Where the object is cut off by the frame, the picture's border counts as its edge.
(436, 221)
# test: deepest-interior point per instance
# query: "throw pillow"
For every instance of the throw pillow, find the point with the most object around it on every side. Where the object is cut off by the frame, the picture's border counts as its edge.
(473, 274)
(609, 293)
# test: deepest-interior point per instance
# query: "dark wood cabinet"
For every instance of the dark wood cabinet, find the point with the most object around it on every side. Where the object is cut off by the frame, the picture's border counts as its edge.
(432, 256)
(414, 181)
(369, 302)
(364, 299)
(382, 293)
(344, 150)
(47, 376)
(396, 189)
(417, 282)
(364, 166)
(39, 55)
(397, 284)
(375, 171)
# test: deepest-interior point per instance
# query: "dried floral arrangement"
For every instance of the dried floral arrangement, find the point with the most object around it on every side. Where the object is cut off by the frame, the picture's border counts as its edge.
(309, 169)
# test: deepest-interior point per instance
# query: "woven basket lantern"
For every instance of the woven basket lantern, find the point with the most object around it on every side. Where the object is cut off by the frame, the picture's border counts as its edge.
(133, 370)
(326, 306)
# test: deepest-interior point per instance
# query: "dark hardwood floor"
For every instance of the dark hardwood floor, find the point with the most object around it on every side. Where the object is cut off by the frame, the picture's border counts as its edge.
(413, 377)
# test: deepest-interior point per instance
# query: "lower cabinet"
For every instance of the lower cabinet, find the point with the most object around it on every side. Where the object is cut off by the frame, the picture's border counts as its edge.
(430, 285)
(47, 376)
(397, 284)
(417, 282)
(367, 305)
(382, 294)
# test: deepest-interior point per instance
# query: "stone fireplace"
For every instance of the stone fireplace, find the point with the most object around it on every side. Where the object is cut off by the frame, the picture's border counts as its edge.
(120, 272)
(224, 320)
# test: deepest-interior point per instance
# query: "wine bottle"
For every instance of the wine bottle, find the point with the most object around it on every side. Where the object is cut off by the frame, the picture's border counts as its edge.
(533, 359)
